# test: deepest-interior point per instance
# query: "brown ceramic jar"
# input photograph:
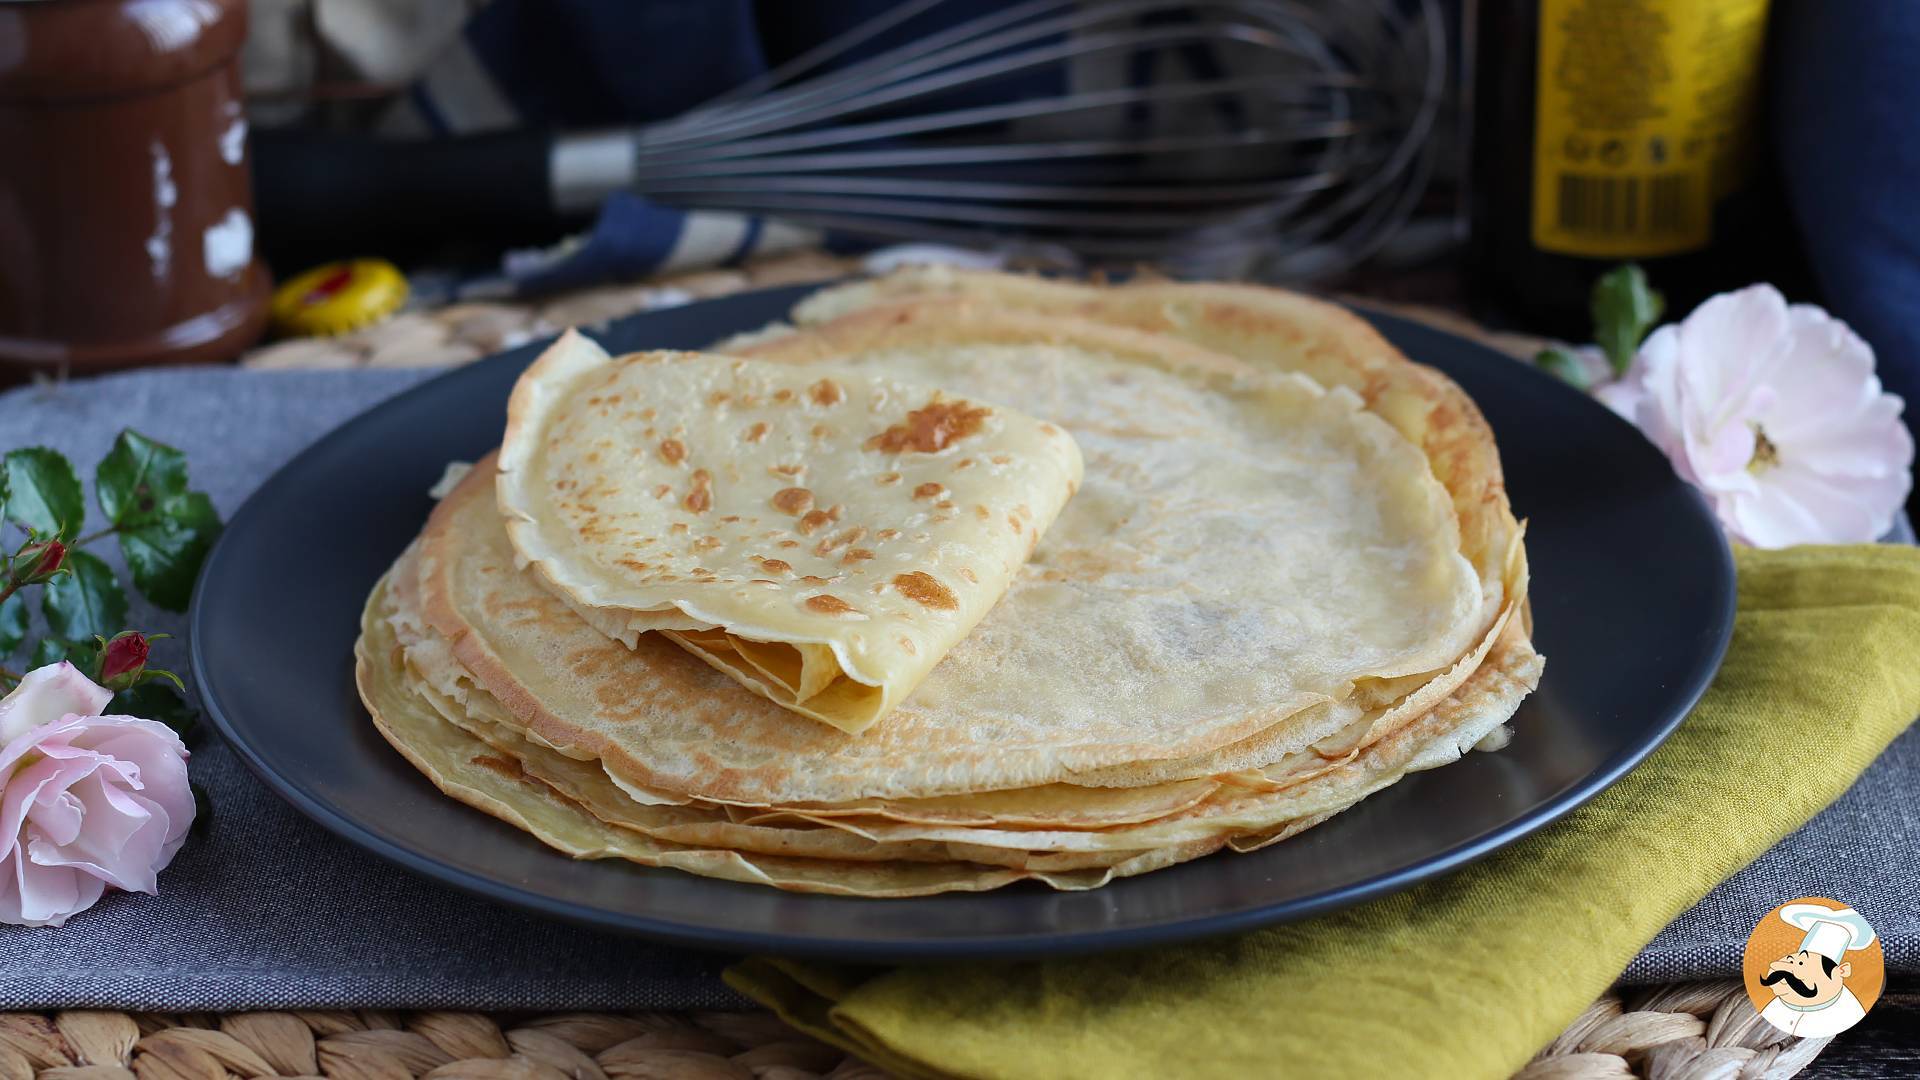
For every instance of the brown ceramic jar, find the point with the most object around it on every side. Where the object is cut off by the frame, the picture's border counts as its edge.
(126, 209)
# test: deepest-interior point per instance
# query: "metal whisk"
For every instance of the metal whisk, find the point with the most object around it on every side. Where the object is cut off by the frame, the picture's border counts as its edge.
(1283, 138)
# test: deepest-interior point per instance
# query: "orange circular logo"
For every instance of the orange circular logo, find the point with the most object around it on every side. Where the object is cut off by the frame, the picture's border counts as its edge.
(1813, 967)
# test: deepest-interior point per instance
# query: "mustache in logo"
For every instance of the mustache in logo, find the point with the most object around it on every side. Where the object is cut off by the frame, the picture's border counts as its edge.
(1788, 977)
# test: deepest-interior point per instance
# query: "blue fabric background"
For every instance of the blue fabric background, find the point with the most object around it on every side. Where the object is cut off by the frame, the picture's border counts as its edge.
(1845, 94)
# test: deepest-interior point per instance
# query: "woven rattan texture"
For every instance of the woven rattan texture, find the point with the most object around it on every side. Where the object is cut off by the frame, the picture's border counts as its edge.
(1690, 1031)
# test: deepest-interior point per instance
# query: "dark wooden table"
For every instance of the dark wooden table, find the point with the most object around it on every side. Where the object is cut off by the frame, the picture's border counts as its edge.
(1884, 1046)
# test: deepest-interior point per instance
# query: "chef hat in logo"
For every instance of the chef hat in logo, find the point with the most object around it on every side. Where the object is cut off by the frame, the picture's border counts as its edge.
(1831, 932)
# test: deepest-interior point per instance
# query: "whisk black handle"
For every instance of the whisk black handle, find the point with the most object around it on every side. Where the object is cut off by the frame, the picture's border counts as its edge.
(315, 190)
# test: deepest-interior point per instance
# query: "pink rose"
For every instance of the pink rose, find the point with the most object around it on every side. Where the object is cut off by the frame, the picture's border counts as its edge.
(86, 801)
(1774, 412)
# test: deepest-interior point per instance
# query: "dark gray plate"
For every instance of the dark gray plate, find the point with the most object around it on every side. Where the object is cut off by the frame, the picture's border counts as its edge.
(1632, 603)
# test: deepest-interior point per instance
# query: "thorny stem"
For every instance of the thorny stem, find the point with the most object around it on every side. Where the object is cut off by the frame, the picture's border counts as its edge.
(91, 537)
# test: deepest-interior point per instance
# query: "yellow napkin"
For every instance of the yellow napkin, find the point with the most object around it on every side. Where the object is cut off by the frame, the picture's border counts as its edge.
(1470, 975)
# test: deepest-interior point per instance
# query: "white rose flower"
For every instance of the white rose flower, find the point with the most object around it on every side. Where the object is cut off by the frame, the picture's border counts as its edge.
(1773, 411)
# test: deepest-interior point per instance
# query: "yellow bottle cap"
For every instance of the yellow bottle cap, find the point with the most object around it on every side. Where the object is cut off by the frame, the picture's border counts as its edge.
(337, 297)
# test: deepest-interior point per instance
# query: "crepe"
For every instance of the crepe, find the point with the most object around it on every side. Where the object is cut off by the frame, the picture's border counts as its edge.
(1270, 329)
(822, 537)
(1325, 554)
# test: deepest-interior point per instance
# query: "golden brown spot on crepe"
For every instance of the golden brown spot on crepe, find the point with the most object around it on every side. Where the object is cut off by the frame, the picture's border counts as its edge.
(834, 512)
(646, 414)
(906, 646)
(774, 566)
(887, 479)
(793, 500)
(1049, 429)
(812, 521)
(943, 504)
(826, 392)
(506, 767)
(827, 604)
(718, 397)
(887, 534)
(672, 451)
(662, 491)
(963, 463)
(834, 543)
(926, 590)
(931, 428)
(678, 527)
(1000, 459)
(789, 543)
(968, 574)
(810, 579)
(731, 518)
(928, 490)
(1014, 522)
(757, 432)
(632, 563)
(706, 543)
(783, 395)
(764, 581)
(701, 496)
(980, 511)
(787, 470)
(855, 555)
(822, 431)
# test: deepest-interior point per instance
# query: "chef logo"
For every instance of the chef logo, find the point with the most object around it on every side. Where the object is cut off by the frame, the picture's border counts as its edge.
(1813, 967)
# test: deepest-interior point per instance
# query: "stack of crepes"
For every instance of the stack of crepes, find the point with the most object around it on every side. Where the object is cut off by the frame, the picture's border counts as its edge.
(958, 580)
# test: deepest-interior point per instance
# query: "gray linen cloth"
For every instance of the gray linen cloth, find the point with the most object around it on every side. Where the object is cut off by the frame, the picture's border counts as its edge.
(268, 911)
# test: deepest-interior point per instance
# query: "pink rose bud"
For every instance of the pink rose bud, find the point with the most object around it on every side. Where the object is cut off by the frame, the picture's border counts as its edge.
(41, 561)
(124, 660)
(86, 801)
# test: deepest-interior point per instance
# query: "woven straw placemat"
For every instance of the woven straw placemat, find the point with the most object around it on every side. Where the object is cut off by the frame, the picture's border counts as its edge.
(1690, 1032)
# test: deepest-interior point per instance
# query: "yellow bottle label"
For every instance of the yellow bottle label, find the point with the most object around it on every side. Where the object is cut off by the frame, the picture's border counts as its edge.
(1643, 121)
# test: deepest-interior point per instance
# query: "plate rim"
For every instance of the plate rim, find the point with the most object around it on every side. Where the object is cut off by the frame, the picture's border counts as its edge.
(1440, 863)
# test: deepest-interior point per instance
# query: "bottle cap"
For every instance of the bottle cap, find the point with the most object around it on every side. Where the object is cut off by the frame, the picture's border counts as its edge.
(337, 297)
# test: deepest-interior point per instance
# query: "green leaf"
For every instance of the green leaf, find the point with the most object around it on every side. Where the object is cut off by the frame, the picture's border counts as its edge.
(13, 623)
(85, 603)
(164, 552)
(165, 529)
(158, 701)
(202, 810)
(136, 475)
(44, 493)
(1624, 309)
(1564, 366)
(84, 655)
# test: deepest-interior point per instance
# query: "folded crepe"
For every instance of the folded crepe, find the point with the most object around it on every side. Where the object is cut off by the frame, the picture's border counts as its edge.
(823, 537)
